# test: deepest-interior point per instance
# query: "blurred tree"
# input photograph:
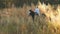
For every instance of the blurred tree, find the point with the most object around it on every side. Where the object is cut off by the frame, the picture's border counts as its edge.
(20, 3)
(2, 4)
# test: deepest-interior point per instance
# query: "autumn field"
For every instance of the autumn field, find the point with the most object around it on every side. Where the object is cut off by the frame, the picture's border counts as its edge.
(16, 21)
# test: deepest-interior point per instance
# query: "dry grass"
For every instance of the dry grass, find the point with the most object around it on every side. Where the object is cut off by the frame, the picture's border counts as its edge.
(15, 21)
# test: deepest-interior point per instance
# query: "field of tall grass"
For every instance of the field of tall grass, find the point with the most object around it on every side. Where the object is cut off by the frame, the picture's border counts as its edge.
(16, 21)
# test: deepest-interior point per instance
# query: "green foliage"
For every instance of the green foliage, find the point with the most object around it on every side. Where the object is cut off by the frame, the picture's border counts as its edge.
(20, 3)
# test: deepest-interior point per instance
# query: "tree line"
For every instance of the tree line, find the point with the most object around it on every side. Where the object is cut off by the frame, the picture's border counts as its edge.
(20, 3)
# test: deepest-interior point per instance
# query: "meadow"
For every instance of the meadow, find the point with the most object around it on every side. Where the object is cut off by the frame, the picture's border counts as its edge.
(16, 21)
